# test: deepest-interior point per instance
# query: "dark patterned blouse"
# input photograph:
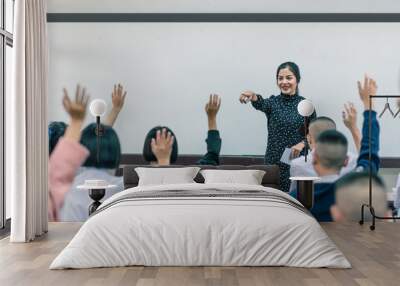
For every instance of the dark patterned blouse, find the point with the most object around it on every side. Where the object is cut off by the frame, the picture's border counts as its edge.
(284, 123)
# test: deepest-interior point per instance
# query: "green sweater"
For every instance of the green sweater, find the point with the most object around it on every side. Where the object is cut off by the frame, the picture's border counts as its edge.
(213, 149)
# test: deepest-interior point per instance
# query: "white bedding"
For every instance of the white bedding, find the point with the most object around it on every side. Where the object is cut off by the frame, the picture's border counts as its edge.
(183, 231)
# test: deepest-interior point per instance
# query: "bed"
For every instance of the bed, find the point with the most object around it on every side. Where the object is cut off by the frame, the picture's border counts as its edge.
(197, 224)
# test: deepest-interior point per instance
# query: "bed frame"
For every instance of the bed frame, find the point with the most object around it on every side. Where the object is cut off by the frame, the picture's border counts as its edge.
(270, 179)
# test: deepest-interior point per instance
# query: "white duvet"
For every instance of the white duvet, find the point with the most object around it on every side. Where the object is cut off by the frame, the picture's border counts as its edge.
(190, 231)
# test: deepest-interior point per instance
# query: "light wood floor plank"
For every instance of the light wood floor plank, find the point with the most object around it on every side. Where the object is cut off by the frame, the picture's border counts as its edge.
(375, 257)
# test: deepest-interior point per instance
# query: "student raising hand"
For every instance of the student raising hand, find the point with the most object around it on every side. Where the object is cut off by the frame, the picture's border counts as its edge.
(365, 89)
(77, 112)
(118, 99)
(76, 109)
(68, 154)
(212, 108)
(161, 146)
(349, 116)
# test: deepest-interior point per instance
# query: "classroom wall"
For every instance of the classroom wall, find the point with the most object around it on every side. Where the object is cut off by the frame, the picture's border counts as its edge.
(170, 69)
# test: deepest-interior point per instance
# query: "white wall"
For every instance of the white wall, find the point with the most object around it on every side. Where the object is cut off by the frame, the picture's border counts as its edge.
(169, 69)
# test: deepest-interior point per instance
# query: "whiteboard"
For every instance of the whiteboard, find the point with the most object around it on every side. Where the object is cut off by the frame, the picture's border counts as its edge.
(169, 69)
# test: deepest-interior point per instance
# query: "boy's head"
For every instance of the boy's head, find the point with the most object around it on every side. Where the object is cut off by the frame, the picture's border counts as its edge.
(317, 126)
(330, 154)
(352, 190)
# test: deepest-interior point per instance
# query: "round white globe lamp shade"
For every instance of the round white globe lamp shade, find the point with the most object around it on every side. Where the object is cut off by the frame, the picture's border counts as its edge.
(305, 108)
(98, 107)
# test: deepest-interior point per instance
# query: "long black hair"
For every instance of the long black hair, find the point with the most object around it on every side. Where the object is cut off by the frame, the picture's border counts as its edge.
(294, 68)
(148, 154)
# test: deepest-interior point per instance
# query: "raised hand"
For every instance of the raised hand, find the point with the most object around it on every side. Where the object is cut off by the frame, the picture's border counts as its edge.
(77, 108)
(365, 89)
(212, 108)
(349, 116)
(213, 105)
(118, 97)
(247, 96)
(161, 146)
(77, 112)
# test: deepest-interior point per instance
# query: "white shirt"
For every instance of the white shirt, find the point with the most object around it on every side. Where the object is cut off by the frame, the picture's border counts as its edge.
(77, 201)
(300, 168)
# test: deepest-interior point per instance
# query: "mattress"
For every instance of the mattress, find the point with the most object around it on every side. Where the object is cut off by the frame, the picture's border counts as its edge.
(201, 225)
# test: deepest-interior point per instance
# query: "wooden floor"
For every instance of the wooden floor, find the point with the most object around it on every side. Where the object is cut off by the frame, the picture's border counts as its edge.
(375, 257)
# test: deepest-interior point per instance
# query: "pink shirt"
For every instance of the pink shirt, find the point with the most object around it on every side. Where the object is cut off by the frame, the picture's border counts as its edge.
(67, 157)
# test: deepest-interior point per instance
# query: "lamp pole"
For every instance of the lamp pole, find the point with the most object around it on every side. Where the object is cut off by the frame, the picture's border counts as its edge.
(97, 109)
(305, 108)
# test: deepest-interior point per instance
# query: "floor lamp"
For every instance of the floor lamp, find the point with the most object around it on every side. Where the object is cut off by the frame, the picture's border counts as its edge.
(305, 108)
(305, 185)
(97, 188)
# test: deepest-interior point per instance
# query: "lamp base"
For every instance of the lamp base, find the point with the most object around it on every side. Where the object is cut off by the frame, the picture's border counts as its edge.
(96, 195)
(305, 193)
(305, 190)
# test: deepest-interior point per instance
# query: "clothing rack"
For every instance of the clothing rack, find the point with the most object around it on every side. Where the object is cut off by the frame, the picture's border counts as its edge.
(369, 205)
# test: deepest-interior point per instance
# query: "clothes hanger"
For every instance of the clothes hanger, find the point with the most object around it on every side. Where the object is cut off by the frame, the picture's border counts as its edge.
(398, 104)
(397, 113)
(387, 107)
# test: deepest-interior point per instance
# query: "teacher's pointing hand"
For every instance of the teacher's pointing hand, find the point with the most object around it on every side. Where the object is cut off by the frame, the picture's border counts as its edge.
(247, 96)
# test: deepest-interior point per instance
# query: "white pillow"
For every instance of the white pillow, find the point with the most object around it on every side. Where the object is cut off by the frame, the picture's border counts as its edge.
(166, 176)
(248, 177)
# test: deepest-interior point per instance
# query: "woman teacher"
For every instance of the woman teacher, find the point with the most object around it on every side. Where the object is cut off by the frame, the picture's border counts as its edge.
(284, 122)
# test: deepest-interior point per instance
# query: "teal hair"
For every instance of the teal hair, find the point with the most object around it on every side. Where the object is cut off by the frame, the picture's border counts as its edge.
(109, 150)
(56, 130)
